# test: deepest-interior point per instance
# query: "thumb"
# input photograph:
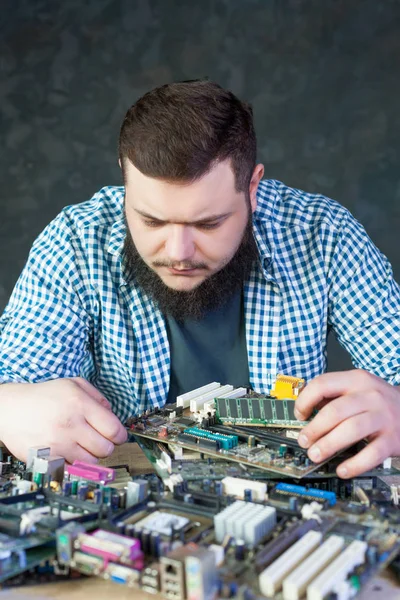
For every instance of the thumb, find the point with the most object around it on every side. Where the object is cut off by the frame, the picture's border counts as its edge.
(92, 392)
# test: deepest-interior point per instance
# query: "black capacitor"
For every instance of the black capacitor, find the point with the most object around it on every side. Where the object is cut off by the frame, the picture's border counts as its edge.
(67, 488)
(98, 496)
(239, 549)
(83, 489)
(218, 488)
(206, 485)
(114, 500)
(120, 527)
(130, 530)
(155, 544)
(146, 544)
(248, 495)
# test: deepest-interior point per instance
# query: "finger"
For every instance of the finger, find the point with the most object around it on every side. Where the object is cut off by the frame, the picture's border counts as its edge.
(76, 452)
(92, 391)
(105, 422)
(348, 432)
(334, 412)
(91, 440)
(368, 458)
(326, 386)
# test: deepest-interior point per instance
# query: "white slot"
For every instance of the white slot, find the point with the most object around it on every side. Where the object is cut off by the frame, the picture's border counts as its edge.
(234, 486)
(184, 399)
(197, 403)
(337, 572)
(270, 580)
(295, 585)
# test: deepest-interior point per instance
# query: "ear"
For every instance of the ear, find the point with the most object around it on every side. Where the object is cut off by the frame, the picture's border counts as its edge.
(255, 180)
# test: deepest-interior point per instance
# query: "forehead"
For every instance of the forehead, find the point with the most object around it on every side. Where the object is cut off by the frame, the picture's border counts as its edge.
(214, 192)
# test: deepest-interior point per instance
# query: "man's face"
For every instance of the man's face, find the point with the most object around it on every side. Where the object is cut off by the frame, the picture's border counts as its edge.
(187, 233)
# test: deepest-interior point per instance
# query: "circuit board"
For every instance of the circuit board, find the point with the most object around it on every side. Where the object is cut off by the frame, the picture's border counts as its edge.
(267, 450)
(212, 530)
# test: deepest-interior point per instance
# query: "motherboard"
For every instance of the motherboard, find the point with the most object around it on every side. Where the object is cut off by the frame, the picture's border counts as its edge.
(231, 511)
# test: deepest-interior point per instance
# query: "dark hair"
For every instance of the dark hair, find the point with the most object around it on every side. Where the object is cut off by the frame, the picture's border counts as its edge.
(179, 131)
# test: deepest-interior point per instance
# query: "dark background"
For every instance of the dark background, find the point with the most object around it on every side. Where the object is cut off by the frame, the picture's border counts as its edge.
(323, 78)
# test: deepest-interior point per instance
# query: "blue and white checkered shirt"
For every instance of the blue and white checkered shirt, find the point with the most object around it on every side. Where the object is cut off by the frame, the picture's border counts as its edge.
(73, 313)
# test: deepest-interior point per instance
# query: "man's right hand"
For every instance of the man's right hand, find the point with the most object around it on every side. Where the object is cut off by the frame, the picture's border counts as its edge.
(69, 415)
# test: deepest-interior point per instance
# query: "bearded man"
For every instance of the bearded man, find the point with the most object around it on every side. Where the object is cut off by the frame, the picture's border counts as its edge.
(198, 270)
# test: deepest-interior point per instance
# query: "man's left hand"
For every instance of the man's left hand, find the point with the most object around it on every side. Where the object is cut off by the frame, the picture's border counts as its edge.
(353, 405)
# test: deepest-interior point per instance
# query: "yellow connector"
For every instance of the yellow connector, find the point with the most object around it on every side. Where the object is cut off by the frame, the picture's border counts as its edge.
(287, 388)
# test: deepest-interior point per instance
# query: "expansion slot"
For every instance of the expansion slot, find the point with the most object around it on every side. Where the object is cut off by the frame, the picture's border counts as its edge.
(270, 580)
(336, 574)
(295, 584)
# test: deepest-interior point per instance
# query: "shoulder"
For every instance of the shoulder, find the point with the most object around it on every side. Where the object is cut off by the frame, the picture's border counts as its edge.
(101, 211)
(289, 207)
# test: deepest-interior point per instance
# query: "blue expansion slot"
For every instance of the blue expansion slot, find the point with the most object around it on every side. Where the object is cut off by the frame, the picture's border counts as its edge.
(312, 493)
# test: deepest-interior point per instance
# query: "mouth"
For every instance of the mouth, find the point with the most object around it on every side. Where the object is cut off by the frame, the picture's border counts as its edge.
(182, 272)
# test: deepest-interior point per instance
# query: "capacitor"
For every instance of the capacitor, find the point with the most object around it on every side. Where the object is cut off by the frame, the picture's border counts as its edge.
(283, 450)
(293, 503)
(114, 500)
(67, 488)
(39, 498)
(206, 485)
(372, 555)
(146, 544)
(296, 461)
(218, 488)
(120, 527)
(272, 456)
(74, 489)
(83, 489)
(251, 441)
(248, 495)
(239, 549)
(155, 544)
(130, 530)
(98, 496)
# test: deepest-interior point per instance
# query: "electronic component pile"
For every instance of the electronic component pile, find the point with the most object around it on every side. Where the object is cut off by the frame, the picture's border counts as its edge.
(212, 524)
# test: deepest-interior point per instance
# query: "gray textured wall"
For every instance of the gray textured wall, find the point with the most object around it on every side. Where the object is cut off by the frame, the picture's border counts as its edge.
(322, 75)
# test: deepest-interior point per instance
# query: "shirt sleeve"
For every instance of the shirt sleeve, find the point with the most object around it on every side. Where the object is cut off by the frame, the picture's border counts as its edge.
(364, 302)
(45, 328)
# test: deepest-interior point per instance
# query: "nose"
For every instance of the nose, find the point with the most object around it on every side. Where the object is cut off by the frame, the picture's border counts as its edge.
(180, 244)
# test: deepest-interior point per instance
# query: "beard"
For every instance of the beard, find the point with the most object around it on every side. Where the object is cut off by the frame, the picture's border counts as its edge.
(212, 293)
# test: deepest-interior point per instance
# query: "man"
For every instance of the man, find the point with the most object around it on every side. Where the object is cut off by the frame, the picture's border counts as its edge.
(195, 271)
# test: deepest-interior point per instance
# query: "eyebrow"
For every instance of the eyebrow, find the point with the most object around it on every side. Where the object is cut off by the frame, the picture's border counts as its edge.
(198, 222)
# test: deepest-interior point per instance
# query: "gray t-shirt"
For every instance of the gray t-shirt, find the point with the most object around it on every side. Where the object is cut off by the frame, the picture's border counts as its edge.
(210, 349)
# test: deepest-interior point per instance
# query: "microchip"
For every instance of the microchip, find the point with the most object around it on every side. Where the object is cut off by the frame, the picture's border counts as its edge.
(255, 404)
(268, 416)
(244, 407)
(233, 407)
(290, 409)
(280, 410)
(184, 421)
(221, 407)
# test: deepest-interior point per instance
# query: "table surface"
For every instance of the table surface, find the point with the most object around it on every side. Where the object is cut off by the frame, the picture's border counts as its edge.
(382, 588)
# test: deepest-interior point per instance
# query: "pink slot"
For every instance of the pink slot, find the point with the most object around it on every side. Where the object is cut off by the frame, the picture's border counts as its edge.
(90, 472)
(107, 555)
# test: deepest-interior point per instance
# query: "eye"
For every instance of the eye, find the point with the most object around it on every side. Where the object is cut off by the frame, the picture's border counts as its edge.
(152, 223)
(208, 226)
